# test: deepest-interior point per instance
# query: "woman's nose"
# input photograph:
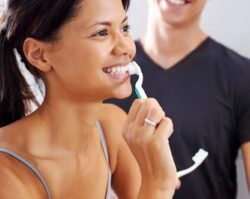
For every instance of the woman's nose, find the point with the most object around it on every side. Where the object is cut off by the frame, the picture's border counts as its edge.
(124, 46)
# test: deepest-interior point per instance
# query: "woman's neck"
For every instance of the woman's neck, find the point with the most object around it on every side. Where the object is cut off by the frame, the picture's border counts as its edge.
(67, 125)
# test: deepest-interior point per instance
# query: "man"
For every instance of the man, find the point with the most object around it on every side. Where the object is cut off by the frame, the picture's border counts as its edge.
(204, 87)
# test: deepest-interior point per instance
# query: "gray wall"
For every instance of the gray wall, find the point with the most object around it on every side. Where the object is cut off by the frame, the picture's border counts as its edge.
(1, 5)
(228, 21)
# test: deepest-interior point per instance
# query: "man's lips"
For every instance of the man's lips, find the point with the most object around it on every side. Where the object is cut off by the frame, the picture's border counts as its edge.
(178, 2)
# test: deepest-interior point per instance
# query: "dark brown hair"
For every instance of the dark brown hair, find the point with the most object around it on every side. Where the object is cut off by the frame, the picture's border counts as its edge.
(39, 19)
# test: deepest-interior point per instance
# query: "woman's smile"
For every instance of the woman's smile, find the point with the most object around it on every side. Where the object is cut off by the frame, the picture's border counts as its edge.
(117, 72)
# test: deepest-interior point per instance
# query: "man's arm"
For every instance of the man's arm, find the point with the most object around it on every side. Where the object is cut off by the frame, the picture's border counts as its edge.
(246, 157)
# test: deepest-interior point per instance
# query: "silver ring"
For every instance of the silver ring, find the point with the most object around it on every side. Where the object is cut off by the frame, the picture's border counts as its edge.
(150, 122)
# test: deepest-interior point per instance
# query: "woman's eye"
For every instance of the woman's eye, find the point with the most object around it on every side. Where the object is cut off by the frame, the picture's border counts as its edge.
(126, 28)
(101, 33)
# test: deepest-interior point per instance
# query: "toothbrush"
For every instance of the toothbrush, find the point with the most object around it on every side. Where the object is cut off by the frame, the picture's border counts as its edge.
(134, 68)
(201, 155)
(198, 158)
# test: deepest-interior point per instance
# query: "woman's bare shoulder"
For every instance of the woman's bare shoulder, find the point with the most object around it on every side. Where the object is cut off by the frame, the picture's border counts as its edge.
(12, 135)
(113, 113)
(125, 163)
(16, 181)
(112, 119)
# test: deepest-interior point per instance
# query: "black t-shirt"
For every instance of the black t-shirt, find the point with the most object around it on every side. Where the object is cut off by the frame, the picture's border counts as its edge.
(207, 95)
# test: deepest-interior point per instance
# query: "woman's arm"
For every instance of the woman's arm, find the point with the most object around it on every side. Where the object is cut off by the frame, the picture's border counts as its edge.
(149, 144)
(146, 168)
(126, 178)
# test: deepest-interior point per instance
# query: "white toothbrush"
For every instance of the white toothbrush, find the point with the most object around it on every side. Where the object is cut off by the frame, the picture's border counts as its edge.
(198, 158)
(201, 155)
(134, 68)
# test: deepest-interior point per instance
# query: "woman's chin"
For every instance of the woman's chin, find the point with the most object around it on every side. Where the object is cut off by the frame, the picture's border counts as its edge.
(119, 92)
(122, 93)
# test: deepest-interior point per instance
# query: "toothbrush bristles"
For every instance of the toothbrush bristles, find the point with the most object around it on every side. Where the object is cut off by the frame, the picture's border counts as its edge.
(200, 155)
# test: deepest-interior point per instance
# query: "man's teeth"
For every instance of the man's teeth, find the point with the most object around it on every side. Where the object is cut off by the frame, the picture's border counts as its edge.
(118, 70)
(177, 2)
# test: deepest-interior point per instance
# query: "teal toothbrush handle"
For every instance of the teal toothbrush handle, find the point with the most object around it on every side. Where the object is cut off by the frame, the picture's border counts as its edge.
(140, 92)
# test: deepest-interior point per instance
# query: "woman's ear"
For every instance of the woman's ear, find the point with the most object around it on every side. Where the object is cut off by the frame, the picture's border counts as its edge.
(34, 52)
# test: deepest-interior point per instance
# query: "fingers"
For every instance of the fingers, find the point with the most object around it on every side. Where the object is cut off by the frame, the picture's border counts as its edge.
(178, 184)
(149, 143)
(165, 128)
(134, 110)
(154, 115)
(149, 109)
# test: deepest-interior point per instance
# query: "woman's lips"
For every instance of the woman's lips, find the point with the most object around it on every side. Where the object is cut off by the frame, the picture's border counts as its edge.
(117, 72)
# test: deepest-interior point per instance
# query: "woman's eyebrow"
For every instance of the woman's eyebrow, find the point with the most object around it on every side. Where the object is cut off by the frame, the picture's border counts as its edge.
(106, 23)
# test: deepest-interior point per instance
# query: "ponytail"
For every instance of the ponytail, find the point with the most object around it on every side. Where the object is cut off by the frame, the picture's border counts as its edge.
(14, 90)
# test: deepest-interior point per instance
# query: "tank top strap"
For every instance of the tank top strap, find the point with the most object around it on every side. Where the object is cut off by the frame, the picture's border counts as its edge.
(105, 150)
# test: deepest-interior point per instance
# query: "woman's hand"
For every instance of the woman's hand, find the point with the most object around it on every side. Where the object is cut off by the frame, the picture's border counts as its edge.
(149, 144)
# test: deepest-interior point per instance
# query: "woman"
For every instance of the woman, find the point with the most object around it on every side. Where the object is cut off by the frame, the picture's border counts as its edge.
(68, 147)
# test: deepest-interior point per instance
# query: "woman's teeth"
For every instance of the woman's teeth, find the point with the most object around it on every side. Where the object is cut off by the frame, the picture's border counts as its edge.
(117, 70)
(177, 2)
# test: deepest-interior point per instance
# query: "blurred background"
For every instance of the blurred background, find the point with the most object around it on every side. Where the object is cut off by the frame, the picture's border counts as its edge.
(227, 21)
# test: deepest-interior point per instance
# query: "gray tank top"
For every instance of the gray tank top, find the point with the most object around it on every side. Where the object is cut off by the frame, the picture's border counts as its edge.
(40, 177)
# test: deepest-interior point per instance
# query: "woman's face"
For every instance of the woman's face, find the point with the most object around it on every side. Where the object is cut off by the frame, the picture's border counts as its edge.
(91, 44)
(179, 12)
